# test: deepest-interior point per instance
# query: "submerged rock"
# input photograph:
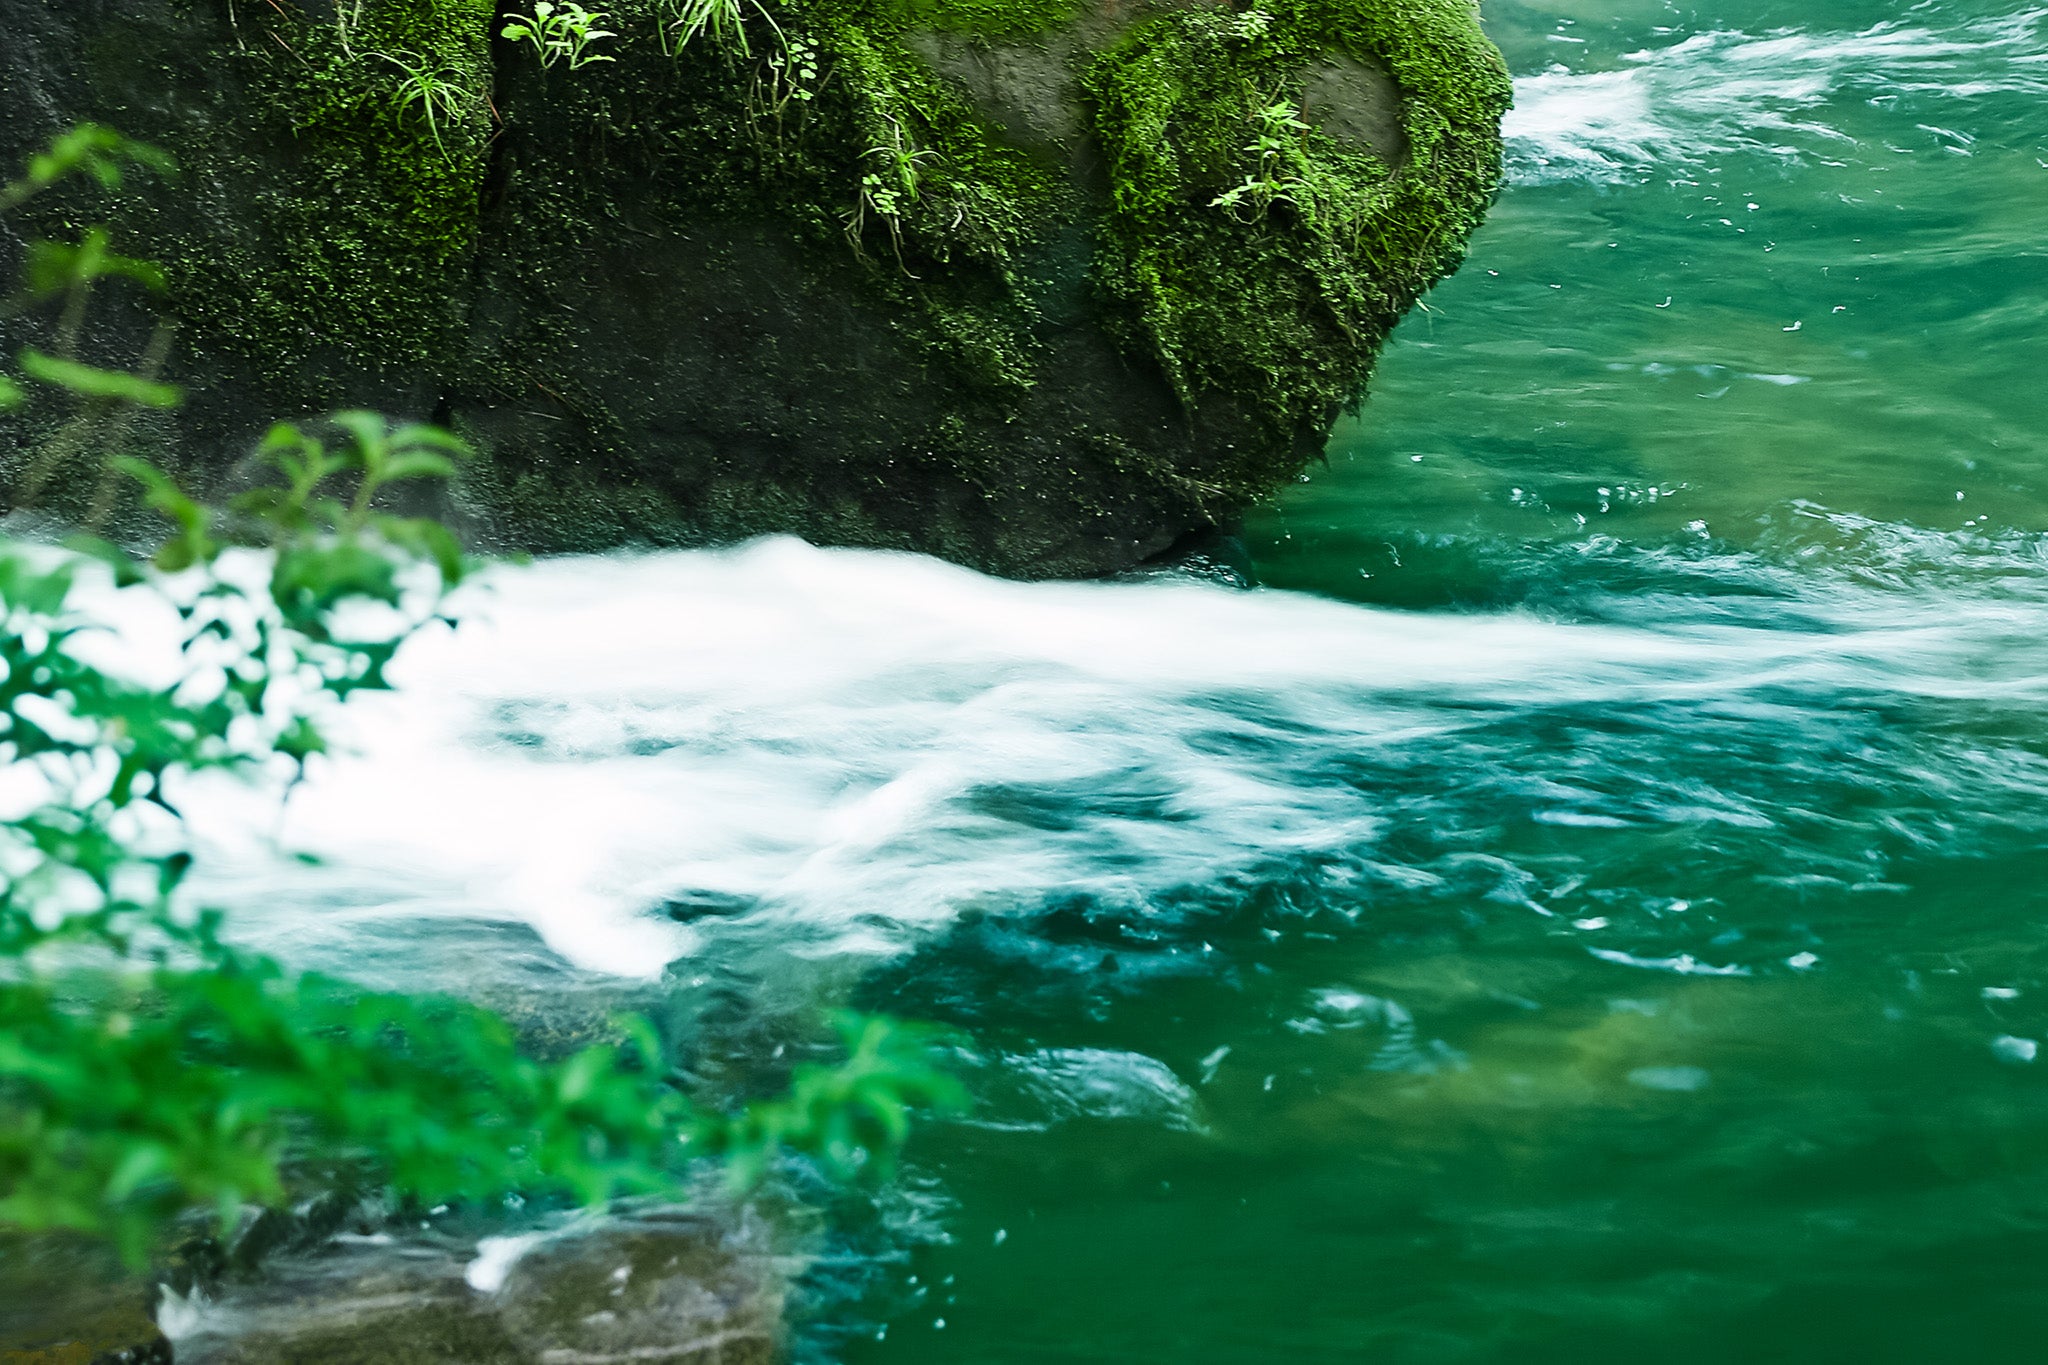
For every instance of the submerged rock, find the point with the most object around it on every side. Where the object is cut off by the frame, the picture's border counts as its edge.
(106, 1333)
(662, 1286)
(1043, 286)
(65, 1301)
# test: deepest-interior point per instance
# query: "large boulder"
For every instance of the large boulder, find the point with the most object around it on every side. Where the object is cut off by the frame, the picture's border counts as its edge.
(1039, 285)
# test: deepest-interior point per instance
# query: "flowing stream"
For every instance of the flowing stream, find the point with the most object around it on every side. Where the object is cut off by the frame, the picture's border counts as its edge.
(1588, 903)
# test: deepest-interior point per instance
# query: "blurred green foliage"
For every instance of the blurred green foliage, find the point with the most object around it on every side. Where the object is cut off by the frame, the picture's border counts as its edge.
(147, 1066)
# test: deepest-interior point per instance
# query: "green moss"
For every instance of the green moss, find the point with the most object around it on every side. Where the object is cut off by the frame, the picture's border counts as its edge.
(1280, 299)
(983, 255)
(959, 193)
(1277, 305)
(358, 239)
(988, 18)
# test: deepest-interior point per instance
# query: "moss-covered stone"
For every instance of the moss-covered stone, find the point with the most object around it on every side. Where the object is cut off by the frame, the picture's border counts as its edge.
(1264, 257)
(1039, 285)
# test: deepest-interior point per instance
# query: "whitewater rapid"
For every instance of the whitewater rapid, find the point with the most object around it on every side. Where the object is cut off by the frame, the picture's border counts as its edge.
(630, 753)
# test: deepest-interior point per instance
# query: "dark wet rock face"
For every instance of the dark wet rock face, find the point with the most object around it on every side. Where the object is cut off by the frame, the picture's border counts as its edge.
(943, 276)
(666, 1287)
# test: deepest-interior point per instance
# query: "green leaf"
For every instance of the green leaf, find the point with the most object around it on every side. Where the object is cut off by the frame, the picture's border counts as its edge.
(89, 381)
(418, 464)
(308, 581)
(56, 267)
(282, 436)
(372, 435)
(97, 151)
(581, 1073)
(640, 1032)
(194, 543)
(428, 538)
(163, 491)
(144, 1163)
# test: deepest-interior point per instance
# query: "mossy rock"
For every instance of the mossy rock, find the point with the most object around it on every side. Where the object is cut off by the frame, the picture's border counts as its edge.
(1042, 286)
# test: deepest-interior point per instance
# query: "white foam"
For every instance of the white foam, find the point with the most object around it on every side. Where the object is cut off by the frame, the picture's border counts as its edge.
(495, 1257)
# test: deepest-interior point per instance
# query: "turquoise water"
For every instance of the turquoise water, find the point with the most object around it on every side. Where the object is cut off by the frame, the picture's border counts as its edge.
(1588, 905)
(1693, 1023)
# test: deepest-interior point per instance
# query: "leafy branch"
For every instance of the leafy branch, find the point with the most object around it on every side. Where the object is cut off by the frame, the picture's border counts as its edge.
(148, 1068)
(559, 32)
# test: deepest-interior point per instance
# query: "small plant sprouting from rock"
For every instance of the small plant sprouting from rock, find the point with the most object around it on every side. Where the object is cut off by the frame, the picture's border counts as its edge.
(560, 32)
(792, 74)
(787, 75)
(428, 94)
(888, 190)
(1277, 160)
(1252, 26)
(723, 22)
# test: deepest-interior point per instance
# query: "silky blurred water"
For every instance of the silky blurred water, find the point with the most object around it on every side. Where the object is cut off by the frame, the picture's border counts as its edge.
(1587, 905)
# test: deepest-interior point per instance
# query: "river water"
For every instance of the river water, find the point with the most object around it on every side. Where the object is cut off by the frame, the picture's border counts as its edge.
(1587, 904)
